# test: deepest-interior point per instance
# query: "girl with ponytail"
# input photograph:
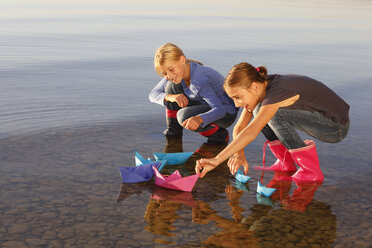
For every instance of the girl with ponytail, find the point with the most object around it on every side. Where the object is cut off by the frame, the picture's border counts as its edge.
(281, 105)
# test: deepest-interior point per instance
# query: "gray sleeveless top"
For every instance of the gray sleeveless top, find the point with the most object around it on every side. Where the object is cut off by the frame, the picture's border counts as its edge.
(314, 96)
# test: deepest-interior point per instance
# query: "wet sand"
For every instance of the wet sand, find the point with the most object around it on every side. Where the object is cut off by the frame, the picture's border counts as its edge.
(62, 188)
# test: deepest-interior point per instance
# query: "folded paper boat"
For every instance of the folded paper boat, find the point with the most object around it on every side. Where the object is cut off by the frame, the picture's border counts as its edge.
(264, 190)
(241, 177)
(175, 181)
(173, 158)
(138, 174)
(140, 160)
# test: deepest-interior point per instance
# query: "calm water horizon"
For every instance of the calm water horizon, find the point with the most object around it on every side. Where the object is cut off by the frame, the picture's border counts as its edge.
(72, 63)
(75, 78)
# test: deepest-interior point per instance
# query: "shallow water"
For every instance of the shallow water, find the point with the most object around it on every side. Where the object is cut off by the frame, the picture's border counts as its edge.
(74, 107)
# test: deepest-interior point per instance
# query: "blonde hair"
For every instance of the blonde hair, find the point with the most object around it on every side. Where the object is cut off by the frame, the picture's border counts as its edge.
(244, 74)
(168, 53)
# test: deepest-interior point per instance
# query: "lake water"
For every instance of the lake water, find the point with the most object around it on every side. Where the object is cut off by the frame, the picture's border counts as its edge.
(75, 78)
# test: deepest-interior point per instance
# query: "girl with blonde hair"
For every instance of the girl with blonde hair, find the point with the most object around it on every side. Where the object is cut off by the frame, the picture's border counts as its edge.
(193, 95)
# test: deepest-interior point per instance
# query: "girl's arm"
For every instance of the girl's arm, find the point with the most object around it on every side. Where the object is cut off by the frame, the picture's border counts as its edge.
(157, 94)
(246, 136)
(239, 157)
(217, 111)
(244, 119)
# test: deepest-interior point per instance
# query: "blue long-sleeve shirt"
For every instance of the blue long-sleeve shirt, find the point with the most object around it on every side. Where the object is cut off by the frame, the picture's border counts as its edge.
(206, 86)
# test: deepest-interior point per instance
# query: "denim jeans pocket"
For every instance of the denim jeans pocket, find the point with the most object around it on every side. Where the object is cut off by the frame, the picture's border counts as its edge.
(331, 137)
(337, 135)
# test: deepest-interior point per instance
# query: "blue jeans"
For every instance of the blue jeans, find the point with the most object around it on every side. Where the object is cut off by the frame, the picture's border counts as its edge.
(195, 108)
(286, 122)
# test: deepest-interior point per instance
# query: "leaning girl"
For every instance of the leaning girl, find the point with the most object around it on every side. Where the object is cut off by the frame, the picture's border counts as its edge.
(281, 105)
(193, 96)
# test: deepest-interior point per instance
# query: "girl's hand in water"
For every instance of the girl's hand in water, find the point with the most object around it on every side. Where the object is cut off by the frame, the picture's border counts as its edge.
(235, 162)
(205, 165)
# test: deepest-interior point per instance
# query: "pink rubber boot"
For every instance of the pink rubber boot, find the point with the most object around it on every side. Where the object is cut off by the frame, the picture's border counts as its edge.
(307, 158)
(284, 160)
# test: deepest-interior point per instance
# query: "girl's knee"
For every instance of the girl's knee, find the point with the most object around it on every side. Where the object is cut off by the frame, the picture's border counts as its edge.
(181, 117)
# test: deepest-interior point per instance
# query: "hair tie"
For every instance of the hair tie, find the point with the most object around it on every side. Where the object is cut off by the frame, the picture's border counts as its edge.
(258, 69)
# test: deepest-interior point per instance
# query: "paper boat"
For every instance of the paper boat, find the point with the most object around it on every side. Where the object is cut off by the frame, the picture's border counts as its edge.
(175, 181)
(264, 190)
(138, 174)
(241, 177)
(140, 160)
(173, 196)
(173, 158)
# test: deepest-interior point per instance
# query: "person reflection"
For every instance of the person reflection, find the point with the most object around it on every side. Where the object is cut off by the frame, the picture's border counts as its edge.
(233, 195)
(300, 222)
(314, 227)
(160, 215)
(173, 144)
(233, 234)
(162, 209)
(301, 196)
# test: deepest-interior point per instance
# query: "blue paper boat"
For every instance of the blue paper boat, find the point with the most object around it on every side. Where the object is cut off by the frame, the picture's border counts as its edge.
(264, 190)
(264, 200)
(241, 177)
(173, 158)
(140, 160)
(139, 173)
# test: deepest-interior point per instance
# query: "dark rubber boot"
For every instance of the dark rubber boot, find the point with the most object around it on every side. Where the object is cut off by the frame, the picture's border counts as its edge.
(173, 127)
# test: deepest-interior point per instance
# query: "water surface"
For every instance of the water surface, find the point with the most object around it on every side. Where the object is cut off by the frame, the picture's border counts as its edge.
(75, 77)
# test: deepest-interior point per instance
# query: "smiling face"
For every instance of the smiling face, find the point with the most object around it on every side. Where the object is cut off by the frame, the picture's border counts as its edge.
(175, 71)
(246, 98)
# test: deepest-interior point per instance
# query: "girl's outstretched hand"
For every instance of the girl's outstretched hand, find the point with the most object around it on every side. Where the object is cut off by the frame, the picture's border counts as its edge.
(204, 165)
(235, 162)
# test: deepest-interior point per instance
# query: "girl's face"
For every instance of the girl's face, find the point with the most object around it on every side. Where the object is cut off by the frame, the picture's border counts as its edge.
(244, 97)
(174, 72)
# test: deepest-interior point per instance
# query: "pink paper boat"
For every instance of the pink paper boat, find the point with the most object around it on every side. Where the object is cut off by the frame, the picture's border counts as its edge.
(175, 181)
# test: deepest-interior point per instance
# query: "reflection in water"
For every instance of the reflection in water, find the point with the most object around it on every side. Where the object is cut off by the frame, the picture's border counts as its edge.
(310, 224)
(58, 189)
(173, 144)
(315, 227)
(301, 197)
(128, 189)
(233, 234)
(173, 196)
(160, 215)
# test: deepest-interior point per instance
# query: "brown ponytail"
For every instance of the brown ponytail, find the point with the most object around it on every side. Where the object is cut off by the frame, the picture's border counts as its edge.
(244, 74)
